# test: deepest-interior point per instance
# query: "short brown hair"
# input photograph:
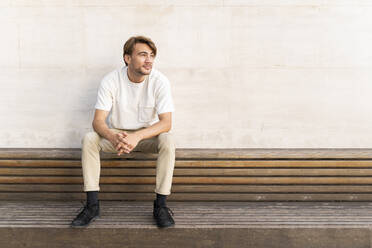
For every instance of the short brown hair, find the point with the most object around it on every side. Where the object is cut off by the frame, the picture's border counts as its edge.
(132, 41)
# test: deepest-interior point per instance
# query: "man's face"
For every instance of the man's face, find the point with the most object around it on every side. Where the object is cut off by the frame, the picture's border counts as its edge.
(141, 60)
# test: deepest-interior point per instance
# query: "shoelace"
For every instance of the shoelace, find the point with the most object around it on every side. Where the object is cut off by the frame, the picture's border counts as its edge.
(82, 207)
(168, 210)
(82, 211)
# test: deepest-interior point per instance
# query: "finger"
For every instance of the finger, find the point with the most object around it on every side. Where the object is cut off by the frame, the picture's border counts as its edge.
(125, 141)
(117, 148)
(119, 136)
(124, 146)
(122, 139)
(120, 146)
(126, 150)
(121, 151)
(122, 135)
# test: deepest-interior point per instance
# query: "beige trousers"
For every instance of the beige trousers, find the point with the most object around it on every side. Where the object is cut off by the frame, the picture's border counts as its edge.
(163, 144)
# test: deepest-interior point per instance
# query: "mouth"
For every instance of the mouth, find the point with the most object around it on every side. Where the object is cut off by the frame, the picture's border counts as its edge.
(147, 67)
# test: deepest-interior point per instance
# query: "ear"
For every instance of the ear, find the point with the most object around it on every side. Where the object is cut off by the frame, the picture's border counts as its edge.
(127, 58)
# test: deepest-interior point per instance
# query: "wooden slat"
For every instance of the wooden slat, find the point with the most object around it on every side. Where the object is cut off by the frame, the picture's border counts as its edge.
(147, 188)
(195, 180)
(189, 172)
(183, 153)
(193, 164)
(190, 197)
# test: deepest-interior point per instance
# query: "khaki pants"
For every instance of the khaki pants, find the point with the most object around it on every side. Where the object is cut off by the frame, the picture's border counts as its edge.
(163, 144)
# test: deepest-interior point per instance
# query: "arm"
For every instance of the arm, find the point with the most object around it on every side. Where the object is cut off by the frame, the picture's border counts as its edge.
(131, 140)
(100, 126)
(163, 125)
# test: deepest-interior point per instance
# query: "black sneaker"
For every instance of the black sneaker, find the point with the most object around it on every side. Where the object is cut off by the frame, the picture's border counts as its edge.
(86, 216)
(163, 216)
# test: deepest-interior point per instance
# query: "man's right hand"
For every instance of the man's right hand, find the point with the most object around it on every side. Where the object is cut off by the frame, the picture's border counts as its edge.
(100, 126)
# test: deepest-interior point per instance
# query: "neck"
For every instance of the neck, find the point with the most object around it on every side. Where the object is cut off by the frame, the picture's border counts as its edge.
(135, 77)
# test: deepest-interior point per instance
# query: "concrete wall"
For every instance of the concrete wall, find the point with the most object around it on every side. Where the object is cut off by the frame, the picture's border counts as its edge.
(254, 73)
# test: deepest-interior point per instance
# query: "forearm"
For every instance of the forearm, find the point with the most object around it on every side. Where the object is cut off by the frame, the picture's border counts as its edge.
(154, 130)
(103, 130)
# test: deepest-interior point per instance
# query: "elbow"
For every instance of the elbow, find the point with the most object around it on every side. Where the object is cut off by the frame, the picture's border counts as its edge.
(94, 125)
(168, 126)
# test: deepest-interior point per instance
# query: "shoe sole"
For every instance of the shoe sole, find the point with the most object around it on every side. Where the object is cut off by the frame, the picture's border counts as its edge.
(94, 218)
(164, 227)
(173, 224)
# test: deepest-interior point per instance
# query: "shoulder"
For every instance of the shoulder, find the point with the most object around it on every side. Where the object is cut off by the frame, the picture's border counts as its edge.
(111, 79)
(158, 78)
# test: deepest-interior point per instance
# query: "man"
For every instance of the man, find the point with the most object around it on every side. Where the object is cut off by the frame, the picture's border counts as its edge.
(141, 105)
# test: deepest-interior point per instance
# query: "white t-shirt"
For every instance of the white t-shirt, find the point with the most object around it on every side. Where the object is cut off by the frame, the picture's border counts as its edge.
(134, 105)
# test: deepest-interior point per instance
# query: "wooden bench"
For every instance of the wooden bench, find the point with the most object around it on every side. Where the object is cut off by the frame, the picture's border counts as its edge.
(200, 175)
(217, 199)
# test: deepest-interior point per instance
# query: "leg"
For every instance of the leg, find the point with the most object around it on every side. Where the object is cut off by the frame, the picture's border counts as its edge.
(164, 145)
(90, 161)
(92, 144)
(165, 163)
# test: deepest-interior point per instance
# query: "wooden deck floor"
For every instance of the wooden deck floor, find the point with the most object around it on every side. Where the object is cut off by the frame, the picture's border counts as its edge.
(121, 214)
(198, 224)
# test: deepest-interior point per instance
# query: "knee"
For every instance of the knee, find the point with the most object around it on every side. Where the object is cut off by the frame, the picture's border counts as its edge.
(166, 142)
(89, 138)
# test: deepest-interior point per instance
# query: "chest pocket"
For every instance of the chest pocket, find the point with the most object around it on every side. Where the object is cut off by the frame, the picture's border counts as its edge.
(146, 113)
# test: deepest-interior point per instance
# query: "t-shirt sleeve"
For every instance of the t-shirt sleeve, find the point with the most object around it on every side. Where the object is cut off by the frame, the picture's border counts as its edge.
(164, 101)
(104, 96)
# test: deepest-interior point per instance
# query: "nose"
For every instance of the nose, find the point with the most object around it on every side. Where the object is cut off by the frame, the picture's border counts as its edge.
(149, 58)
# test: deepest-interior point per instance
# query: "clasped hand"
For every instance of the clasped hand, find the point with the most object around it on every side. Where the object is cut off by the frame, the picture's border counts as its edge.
(125, 142)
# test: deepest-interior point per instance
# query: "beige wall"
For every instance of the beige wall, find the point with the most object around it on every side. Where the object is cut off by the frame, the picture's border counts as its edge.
(254, 73)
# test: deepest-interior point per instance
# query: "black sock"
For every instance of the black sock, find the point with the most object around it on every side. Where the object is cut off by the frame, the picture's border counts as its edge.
(92, 198)
(160, 200)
